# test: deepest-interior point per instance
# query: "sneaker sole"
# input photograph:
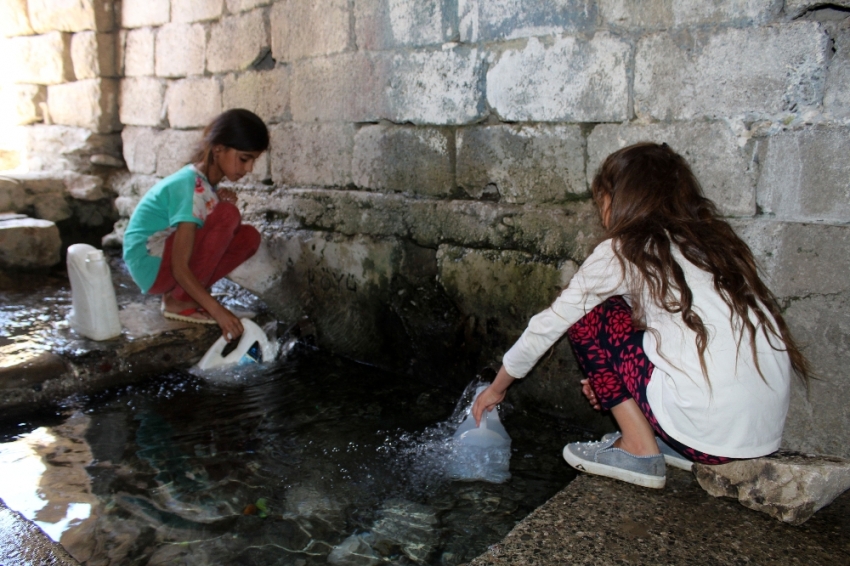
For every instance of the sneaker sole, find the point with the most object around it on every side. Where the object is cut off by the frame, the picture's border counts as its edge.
(643, 480)
(676, 462)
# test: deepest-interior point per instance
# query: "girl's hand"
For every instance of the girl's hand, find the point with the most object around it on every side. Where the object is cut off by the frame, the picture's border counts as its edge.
(231, 326)
(590, 394)
(487, 401)
(226, 195)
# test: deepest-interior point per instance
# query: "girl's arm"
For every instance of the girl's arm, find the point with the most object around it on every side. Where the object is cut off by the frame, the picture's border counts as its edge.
(181, 253)
(493, 395)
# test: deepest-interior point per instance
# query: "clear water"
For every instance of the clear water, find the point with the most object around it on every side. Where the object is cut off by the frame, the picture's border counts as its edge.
(317, 460)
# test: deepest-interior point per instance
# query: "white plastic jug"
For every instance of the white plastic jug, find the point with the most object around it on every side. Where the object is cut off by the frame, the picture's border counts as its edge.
(94, 311)
(253, 347)
(481, 453)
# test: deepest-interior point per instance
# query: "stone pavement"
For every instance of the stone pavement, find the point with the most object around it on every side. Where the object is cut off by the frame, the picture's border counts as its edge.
(596, 520)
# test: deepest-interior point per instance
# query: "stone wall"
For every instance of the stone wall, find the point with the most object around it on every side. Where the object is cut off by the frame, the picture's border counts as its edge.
(427, 187)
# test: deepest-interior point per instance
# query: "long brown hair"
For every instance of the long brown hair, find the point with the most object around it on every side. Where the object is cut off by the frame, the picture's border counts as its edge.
(656, 201)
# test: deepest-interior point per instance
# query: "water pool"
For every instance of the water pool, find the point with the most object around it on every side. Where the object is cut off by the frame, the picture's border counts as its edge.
(316, 460)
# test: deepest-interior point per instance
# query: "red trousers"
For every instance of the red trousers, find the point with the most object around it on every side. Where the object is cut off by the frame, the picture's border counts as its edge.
(221, 245)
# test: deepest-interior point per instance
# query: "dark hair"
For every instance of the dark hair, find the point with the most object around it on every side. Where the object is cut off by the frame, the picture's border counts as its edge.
(236, 128)
(656, 200)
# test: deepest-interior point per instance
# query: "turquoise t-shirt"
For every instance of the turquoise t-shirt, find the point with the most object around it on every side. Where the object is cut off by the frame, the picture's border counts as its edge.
(185, 196)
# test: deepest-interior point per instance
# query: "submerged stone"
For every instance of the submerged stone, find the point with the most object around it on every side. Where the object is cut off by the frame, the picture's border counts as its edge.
(786, 485)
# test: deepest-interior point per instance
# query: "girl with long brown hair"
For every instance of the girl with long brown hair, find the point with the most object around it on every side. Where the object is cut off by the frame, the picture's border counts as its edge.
(673, 327)
(186, 233)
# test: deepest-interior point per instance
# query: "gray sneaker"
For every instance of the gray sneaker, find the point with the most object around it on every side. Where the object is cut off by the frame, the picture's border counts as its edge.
(602, 459)
(671, 457)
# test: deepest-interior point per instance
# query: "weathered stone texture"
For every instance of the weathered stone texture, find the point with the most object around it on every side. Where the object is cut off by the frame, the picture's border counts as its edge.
(29, 243)
(806, 175)
(787, 486)
(408, 160)
(836, 101)
(71, 15)
(487, 20)
(93, 55)
(180, 50)
(90, 104)
(236, 6)
(14, 19)
(39, 59)
(142, 102)
(571, 80)
(794, 8)
(723, 168)
(193, 103)
(308, 29)
(140, 149)
(138, 52)
(185, 11)
(753, 72)
(821, 326)
(436, 87)
(237, 41)
(348, 87)
(141, 13)
(312, 154)
(21, 104)
(800, 259)
(657, 14)
(45, 194)
(266, 93)
(384, 24)
(174, 150)
(519, 164)
(62, 148)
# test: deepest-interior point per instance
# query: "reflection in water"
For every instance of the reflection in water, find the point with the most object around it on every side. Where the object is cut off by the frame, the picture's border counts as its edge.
(315, 461)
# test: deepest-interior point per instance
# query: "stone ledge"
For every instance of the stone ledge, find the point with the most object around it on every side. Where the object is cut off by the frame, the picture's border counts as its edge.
(788, 486)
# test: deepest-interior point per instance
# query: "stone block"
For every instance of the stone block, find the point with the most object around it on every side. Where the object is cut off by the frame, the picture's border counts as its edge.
(487, 20)
(29, 243)
(143, 13)
(85, 187)
(71, 15)
(91, 104)
(309, 29)
(13, 197)
(180, 50)
(386, 24)
(14, 18)
(40, 59)
(45, 194)
(63, 148)
(836, 103)
(236, 6)
(347, 87)
(723, 168)
(794, 8)
(799, 259)
(761, 72)
(402, 159)
(821, 326)
(187, 11)
(22, 103)
(806, 176)
(312, 154)
(140, 145)
(436, 87)
(266, 93)
(193, 103)
(93, 55)
(663, 14)
(260, 273)
(174, 150)
(485, 283)
(139, 48)
(236, 42)
(567, 79)
(142, 102)
(519, 164)
(788, 486)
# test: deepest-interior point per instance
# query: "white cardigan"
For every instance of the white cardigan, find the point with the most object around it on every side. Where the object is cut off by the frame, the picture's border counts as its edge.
(739, 415)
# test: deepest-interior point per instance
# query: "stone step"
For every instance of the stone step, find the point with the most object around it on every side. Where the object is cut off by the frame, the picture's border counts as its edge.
(28, 243)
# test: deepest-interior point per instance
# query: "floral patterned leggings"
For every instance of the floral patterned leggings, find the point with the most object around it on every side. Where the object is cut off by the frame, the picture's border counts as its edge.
(610, 352)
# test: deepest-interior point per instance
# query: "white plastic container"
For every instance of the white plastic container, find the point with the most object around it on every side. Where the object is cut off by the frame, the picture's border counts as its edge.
(94, 312)
(480, 453)
(253, 347)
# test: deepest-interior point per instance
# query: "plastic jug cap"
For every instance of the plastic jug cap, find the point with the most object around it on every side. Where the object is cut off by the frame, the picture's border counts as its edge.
(94, 255)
